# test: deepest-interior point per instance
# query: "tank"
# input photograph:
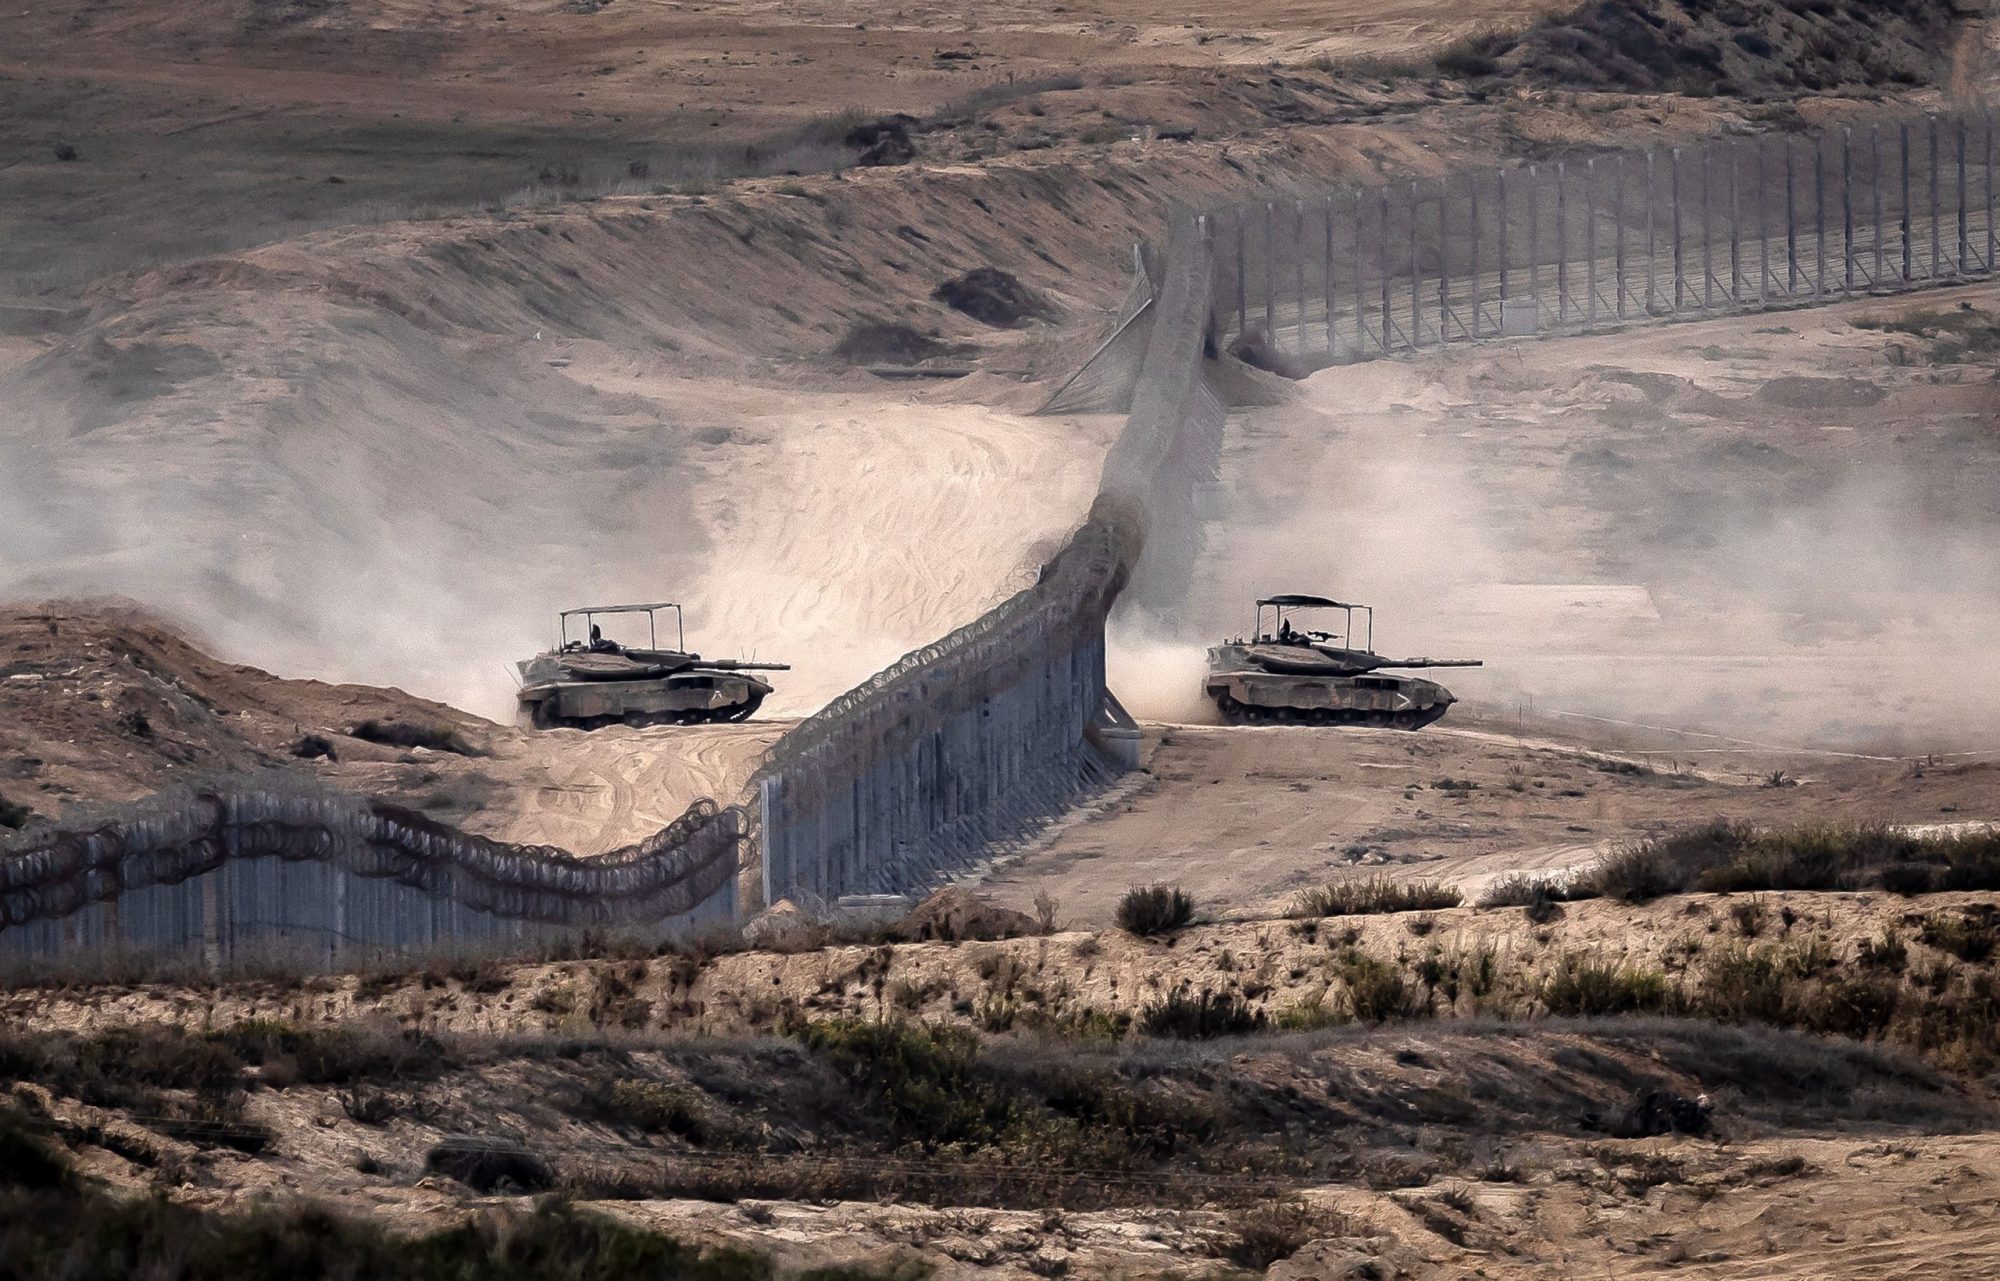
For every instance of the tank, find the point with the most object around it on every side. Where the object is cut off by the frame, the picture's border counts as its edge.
(1282, 674)
(592, 682)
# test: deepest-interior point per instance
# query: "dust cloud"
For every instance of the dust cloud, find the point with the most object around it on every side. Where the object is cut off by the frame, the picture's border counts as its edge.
(1794, 578)
(390, 513)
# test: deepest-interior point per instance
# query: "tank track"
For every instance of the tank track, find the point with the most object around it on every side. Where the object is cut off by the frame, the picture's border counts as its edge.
(1237, 713)
(542, 719)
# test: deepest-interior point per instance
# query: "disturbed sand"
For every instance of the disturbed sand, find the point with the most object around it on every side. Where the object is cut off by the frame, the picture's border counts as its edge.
(382, 450)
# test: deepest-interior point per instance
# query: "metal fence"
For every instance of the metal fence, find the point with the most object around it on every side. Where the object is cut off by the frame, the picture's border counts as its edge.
(266, 866)
(980, 738)
(1593, 241)
(966, 743)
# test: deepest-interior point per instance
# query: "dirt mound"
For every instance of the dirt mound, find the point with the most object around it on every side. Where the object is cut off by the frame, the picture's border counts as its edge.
(884, 140)
(1256, 350)
(106, 703)
(994, 297)
(953, 914)
(886, 342)
(1738, 47)
(1797, 391)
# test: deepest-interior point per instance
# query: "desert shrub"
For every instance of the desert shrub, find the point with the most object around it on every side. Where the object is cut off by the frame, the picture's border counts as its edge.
(1525, 889)
(335, 1055)
(888, 342)
(1307, 1014)
(1378, 991)
(1739, 984)
(13, 814)
(1152, 1124)
(488, 1165)
(27, 1162)
(1859, 1007)
(1585, 986)
(73, 1230)
(919, 1077)
(1269, 1231)
(1886, 953)
(652, 1106)
(122, 1067)
(1640, 871)
(369, 1107)
(1154, 909)
(1471, 57)
(1909, 879)
(1963, 935)
(412, 733)
(1749, 915)
(1374, 895)
(1199, 1016)
(1727, 857)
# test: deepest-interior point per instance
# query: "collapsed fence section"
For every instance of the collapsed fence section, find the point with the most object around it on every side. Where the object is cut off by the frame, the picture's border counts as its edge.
(1592, 241)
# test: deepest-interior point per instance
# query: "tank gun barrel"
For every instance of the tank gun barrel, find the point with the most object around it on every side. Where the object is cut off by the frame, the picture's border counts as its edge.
(1433, 662)
(743, 665)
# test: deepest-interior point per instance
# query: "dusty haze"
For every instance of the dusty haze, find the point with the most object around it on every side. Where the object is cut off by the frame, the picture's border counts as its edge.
(1655, 527)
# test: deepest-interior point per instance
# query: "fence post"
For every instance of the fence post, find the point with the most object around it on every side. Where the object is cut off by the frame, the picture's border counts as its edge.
(1534, 244)
(1271, 273)
(1562, 246)
(1652, 248)
(1361, 279)
(1242, 273)
(1473, 203)
(1909, 265)
(1937, 244)
(1444, 260)
(1382, 260)
(1500, 195)
(1590, 241)
(1299, 270)
(1735, 231)
(1819, 218)
(1707, 228)
(1618, 229)
(1679, 276)
(1791, 225)
(1847, 209)
(1986, 119)
(1962, 246)
(1327, 279)
(1416, 280)
(1875, 185)
(1763, 226)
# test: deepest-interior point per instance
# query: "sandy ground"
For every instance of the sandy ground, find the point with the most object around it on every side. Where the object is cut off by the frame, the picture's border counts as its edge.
(1274, 963)
(1777, 529)
(1243, 818)
(232, 122)
(104, 703)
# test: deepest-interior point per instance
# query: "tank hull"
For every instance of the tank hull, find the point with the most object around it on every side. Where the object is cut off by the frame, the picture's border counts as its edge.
(1246, 692)
(690, 697)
